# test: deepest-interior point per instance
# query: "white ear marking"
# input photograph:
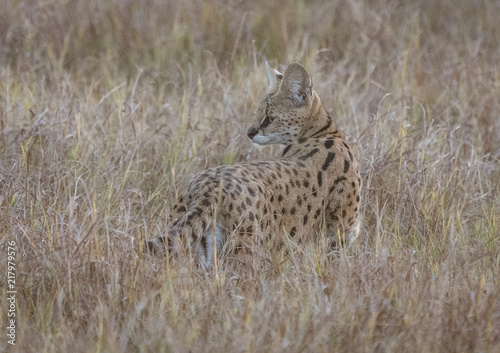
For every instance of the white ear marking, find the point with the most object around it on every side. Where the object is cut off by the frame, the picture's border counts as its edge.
(278, 74)
(273, 82)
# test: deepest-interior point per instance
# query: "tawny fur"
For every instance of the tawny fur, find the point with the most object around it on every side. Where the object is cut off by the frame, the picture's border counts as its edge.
(314, 183)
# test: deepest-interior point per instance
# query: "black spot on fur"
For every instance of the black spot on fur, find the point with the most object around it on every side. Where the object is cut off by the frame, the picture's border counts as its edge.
(249, 230)
(343, 213)
(292, 211)
(248, 201)
(320, 179)
(286, 150)
(314, 191)
(306, 183)
(328, 124)
(350, 155)
(293, 231)
(305, 220)
(302, 139)
(300, 164)
(251, 216)
(203, 243)
(205, 202)
(280, 198)
(251, 192)
(346, 165)
(357, 198)
(318, 212)
(309, 155)
(181, 209)
(329, 158)
(328, 143)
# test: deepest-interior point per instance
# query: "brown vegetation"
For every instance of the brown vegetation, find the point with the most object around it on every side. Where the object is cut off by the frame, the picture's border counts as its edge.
(107, 107)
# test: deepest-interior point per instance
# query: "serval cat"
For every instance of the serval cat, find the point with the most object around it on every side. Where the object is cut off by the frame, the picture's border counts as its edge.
(314, 185)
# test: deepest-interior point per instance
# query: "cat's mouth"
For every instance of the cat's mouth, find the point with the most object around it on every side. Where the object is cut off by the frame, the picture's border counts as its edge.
(261, 139)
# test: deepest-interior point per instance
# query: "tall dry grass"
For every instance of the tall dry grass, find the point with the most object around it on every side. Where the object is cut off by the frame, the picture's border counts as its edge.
(107, 107)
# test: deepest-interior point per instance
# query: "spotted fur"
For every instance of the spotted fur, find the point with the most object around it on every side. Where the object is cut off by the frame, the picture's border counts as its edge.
(314, 182)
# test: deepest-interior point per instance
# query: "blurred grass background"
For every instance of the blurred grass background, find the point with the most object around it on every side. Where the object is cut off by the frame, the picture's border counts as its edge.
(107, 108)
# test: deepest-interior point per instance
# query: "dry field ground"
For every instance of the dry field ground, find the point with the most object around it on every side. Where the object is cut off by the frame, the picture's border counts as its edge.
(107, 107)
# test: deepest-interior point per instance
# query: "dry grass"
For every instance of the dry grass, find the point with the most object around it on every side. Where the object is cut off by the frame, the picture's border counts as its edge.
(108, 107)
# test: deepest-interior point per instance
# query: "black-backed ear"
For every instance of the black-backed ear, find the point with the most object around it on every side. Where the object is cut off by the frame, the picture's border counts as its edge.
(297, 83)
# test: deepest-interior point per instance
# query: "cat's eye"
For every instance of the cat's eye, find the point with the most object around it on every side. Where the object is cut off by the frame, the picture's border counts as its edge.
(267, 121)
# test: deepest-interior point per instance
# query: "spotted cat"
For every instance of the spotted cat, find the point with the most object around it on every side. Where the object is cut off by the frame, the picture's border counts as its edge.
(314, 183)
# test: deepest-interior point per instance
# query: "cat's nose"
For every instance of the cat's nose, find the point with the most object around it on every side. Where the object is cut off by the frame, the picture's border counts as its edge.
(252, 132)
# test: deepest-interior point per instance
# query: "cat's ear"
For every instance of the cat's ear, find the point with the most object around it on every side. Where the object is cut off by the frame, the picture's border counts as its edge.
(297, 84)
(274, 77)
